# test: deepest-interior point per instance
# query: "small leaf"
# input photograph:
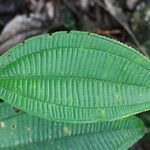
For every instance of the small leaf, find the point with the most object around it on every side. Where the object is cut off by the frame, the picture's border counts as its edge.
(22, 131)
(75, 77)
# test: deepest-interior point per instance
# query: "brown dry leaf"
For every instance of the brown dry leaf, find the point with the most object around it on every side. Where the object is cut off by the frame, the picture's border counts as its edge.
(20, 23)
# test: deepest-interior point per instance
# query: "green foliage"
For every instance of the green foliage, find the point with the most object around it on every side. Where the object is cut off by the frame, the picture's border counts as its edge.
(21, 131)
(83, 84)
(75, 77)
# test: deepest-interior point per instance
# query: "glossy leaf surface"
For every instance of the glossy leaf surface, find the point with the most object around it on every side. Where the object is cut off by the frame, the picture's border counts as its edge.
(21, 131)
(75, 77)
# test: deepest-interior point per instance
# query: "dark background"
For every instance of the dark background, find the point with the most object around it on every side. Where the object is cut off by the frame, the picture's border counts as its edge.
(125, 20)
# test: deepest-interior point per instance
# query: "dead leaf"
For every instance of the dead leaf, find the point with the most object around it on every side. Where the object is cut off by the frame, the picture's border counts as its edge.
(20, 23)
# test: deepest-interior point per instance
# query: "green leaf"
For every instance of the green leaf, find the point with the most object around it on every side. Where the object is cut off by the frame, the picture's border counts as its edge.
(75, 77)
(22, 131)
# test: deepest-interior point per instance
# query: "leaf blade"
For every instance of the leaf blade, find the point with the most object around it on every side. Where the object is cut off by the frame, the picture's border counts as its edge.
(75, 77)
(23, 131)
